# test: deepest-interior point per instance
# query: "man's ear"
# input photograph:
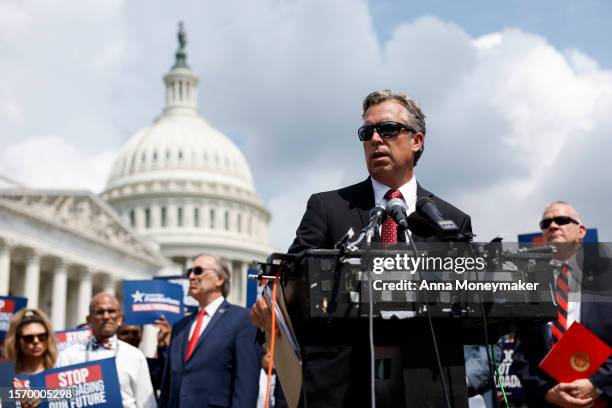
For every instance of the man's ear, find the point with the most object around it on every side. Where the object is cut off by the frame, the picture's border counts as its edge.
(120, 319)
(581, 231)
(417, 141)
(222, 282)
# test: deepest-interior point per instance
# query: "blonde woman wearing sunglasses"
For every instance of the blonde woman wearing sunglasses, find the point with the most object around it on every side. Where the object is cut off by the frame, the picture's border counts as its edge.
(30, 344)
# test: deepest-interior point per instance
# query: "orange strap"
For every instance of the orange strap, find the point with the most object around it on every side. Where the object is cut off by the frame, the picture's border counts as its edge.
(272, 339)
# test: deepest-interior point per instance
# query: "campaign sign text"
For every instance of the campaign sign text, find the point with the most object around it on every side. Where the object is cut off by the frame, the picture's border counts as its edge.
(148, 300)
(90, 384)
(190, 305)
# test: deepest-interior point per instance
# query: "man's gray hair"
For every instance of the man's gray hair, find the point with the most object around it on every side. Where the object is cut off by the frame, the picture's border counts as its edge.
(222, 270)
(415, 114)
(565, 203)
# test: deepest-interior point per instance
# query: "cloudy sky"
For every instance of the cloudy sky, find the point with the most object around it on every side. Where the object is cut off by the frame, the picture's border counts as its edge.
(518, 97)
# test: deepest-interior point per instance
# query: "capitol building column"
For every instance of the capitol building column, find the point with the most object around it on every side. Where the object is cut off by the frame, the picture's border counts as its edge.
(108, 284)
(84, 294)
(32, 279)
(60, 287)
(5, 268)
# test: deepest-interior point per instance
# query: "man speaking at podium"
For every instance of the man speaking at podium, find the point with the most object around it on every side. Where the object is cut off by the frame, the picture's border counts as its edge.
(393, 136)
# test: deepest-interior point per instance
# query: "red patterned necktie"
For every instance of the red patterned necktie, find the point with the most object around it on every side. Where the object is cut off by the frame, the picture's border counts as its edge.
(388, 232)
(559, 326)
(193, 340)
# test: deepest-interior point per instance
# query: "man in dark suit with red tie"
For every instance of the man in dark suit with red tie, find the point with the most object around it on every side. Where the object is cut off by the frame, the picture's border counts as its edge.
(393, 136)
(580, 276)
(213, 359)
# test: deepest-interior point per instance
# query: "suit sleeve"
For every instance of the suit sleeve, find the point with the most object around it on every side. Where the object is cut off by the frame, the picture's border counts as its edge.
(247, 355)
(602, 379)
(312, 231)
(166, 379)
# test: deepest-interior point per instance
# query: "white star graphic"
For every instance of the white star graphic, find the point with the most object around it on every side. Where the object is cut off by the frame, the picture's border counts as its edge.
(137, 296)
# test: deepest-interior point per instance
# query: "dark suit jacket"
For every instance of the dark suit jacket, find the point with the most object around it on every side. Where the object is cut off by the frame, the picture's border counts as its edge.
(223, 370)
(329, 215)
(339, 376)
(532, 344)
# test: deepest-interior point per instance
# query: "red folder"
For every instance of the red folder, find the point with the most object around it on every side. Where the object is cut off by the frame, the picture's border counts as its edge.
(578, 354)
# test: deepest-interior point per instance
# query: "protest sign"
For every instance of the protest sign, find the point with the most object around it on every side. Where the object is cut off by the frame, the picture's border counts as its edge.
(67, 338)
(9, 305)
(148, 300)
(90, 384)
(190, 305)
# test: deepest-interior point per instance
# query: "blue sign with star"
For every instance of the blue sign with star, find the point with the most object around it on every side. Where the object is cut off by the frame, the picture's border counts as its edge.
(148, 300)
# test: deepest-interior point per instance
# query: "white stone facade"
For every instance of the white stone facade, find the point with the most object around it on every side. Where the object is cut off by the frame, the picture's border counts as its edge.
(58, 248)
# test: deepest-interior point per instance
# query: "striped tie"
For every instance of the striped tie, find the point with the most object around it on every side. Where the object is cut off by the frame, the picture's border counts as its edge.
(559, 326)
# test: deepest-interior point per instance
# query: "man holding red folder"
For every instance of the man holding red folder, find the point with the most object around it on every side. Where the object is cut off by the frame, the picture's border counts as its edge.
(562, 228)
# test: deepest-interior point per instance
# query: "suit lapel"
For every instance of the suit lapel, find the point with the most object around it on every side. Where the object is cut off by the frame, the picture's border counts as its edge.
(183, 337)
(212, 323)
(421, 192)
(364, 201)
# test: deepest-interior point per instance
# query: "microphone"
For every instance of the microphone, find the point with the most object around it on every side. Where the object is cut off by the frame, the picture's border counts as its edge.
(397, 208)
(374, 218)
(420, 226)
(427, 209)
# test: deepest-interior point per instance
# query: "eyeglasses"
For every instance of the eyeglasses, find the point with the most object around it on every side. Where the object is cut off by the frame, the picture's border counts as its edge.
(29, 338)
(197, 270)
(560, 220)
(101, 312)
(387, 130)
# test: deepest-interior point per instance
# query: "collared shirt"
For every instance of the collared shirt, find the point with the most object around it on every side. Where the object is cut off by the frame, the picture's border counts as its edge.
(132, 368)
(408, 190)
(211, 309)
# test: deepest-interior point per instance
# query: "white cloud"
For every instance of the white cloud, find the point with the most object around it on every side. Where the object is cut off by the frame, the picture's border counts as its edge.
(512, 121)
(50, 162)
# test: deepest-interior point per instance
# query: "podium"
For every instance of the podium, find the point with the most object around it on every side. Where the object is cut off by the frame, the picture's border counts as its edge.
(324, 296)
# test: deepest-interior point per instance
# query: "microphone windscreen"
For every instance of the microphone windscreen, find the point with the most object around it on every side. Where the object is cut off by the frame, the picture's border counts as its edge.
(421, 203)
(420, 226)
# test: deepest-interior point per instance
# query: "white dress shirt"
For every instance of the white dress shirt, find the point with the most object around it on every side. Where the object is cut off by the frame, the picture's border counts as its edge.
(132, 369)
(211, 309)
(408, 190)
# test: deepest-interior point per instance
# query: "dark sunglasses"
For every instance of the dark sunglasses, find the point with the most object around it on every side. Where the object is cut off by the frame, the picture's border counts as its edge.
(384, 129)
(197, 270)
(560, 220)
(29, 338)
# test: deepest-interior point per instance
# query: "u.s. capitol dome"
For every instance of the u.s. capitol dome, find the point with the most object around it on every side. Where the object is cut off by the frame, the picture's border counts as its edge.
(186, 186)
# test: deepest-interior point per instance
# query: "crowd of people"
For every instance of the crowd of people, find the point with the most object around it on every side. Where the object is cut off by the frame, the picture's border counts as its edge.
(213, 357)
